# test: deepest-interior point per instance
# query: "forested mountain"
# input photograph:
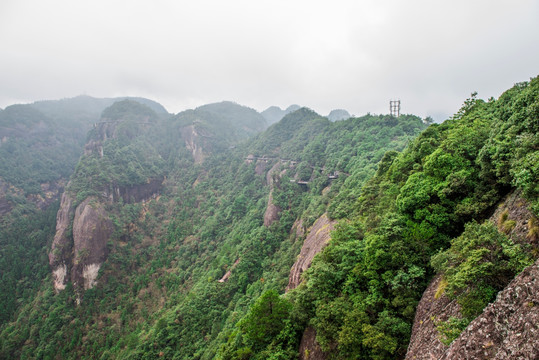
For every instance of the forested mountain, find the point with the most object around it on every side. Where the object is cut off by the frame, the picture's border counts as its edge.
(274, 114)
(40, 145)
(176, 234)
(338, 114)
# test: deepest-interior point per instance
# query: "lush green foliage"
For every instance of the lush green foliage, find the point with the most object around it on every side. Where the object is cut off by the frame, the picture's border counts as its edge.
(23, 256)
(194, 273)
(416, 203)
(34, 149)
(478, 264)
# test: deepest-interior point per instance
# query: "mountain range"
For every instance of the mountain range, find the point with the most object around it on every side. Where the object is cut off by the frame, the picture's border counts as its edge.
(220, 232)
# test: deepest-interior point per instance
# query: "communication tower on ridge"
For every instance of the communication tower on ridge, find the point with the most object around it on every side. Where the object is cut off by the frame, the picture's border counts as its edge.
(395, 107)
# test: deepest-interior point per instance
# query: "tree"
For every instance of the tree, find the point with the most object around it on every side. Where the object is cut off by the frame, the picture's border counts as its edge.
(266, 319)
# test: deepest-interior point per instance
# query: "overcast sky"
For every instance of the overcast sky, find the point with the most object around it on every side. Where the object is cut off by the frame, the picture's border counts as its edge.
(355, 55)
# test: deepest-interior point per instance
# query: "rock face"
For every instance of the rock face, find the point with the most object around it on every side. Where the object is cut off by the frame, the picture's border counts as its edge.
(272, 211)
(60, 254)
(80, 243)
(309, 348)
(508, 328)
(425, 342)
(91, 231)
(190, 136)
(516, 209)
(317, 238)
(50, 192)
(135, 193)
(82, 232)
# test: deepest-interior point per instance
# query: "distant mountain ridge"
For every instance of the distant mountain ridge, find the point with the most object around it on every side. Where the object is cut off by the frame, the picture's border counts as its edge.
(274, 114)
(178, 235)
(338, 114)
(90, 105)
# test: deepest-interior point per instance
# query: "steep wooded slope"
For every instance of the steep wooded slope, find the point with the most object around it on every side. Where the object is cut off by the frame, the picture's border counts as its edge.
(360, 295)
(40, 145)
(195, 273)
(158, 291)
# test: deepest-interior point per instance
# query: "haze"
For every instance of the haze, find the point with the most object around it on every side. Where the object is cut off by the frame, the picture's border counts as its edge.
(355, 55)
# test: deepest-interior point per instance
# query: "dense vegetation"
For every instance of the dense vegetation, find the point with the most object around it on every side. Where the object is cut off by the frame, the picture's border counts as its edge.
(40, 145)
(360, 293)
(194, 273)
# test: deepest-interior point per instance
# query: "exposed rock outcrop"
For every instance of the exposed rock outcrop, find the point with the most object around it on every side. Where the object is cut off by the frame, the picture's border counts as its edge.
(91, 231)
(190, 136)
(317, 238)
(50, 192)
(60, 254)
(309, 349)
(229, 272)
(508, 328)
(272, 211)
(515, 209)
(80, 243)
(425, 341)
(82, 232)
(5, 205)
(135, 193)
(298, 229)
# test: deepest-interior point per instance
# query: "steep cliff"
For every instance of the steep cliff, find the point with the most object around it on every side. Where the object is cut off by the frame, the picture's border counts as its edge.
(425, 342)
(118, 165)
(309, 349)
(80, 243)
(60, 254)
(317, 238)
(272, 211)
(91, 231)
(5, 204)
(193, 138)
(506, 326)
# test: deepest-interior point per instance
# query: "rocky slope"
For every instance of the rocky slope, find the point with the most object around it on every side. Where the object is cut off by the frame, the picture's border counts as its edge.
(272, 211)
(309, 349)
(317, 238)
(505, 328)
(508, 328)
(83, 224)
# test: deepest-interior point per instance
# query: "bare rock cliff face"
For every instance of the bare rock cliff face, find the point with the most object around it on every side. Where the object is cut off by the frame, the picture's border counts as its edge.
(191, 137)
(80, 243)
(309, 348)
(91, 231)
(272, 211)
(425, 342)
(508, 328)
(79, 247)
(60, 254)
(50, 192)
(5, 205)
(135, 193)
(317, 238)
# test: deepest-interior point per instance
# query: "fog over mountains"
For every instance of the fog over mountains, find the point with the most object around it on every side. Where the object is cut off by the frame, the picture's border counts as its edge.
(128, 232)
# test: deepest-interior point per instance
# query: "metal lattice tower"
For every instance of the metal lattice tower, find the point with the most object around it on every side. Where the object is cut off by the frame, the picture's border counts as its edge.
(395, 108)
